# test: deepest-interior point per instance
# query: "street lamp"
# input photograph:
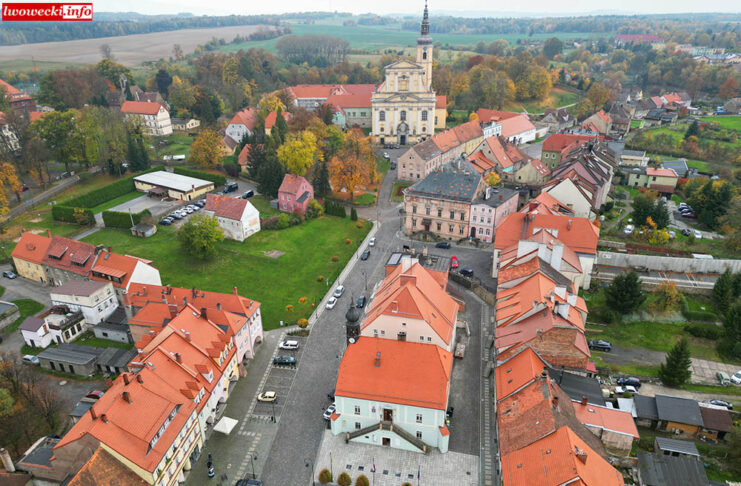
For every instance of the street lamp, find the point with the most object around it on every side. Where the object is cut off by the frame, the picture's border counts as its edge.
(253, 458)
(312, 470)
(272, 418)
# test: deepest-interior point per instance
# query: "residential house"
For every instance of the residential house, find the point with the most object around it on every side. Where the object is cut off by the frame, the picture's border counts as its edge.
(621, 115)
(228, 146)
(123, 270)
(558, 119)
(599, 122)
(546, 204)
(676, 448)
(243, 157)
(680, 416)
(148, 96)
(679, 166)
(153, 117)
(490, 210)
(57, 325)
(67, 259)
(115, 327)
(393, 393)
(411, 305)
(184, 124)
(635, 158)
(95, 300)
(19, 101)
(576, 192)
(647, 414)
(732, 106)
(660, 116)
(242, 123)
(615, 428)
(419, 160)
(294, 194)
(661, 180)
(441, 111)
(351, 110)
(515, 127)
(236, 216)
(103, 468)
(559, 145)
(271, 119)
(660, 470)
(513, 165)
(28, 256)
(441, 202)
(152, 307)
(716, 421)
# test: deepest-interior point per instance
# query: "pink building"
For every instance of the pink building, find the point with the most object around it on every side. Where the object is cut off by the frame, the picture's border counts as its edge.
(294, 194)
(489, 211)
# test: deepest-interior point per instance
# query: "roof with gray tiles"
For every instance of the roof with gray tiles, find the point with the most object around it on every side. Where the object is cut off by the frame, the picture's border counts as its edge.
(456, 181)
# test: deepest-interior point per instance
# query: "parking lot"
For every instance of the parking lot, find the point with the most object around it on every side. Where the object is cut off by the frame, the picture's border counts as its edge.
(279, 379)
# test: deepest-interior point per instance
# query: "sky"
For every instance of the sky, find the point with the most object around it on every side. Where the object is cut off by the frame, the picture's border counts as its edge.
(489, 9)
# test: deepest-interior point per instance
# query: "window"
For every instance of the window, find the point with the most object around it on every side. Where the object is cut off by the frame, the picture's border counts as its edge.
(424, 54)
(357, 425)
(439, 226)
(419, 418)
(357, 409)
(414, 209)
(421, 338)
(403, 324)
(414, 222)
(419, 435)
(375, 332)
(450, 228)
(460, 230)
(403, 115)
(427, 211)
(382, 116)
(439, 213)
(424, 115)
(452, 215)
(487, 232)
(383, 333)
(429, 339)
(463, 216)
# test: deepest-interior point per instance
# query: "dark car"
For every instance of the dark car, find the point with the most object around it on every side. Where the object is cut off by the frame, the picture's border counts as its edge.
(9, 274)
(686, 232)
(467, 272)
(248, 482)
(230, 187)
(365, 255)
(248, 194)
(284, 360)
(443, 244)
(600, 345)
(720, 403)
(200, 203)
(166, 222)
(629, 381)
(361, 302)
(175, 216)
(393, 166)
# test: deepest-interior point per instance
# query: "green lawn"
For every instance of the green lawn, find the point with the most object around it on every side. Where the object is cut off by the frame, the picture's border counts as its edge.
(729, 122)
(636, 123)
(396, 191)
(2, 290)
(558, 98)
(382, 167)
(27, 307)
(276, 282)
(262, 204)
(115, 202)
(366, 199)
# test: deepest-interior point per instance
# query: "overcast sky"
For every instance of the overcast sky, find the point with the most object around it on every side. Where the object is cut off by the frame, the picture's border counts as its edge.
(220, 7)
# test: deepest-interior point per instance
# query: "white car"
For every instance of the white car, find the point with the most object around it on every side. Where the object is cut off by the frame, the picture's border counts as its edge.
(288, 344)
(372, 241)
(331, 303)
(268, 396)
(328, 413)
(619, 390)
(189, 210)
(698, 235)
(338, 291)
(736, 378)
(629, 229)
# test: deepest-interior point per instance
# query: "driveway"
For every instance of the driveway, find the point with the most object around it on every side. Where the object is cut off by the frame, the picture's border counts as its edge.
(676, 220)
(653, 389)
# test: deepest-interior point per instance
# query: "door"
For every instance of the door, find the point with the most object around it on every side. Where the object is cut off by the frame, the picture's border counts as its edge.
(386, 441)
(402, 139)
(402, 336)
(388, 414)
(473, 232)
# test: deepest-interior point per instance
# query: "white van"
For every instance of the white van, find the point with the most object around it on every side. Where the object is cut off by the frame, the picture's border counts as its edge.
(288, 345)
(178, 157)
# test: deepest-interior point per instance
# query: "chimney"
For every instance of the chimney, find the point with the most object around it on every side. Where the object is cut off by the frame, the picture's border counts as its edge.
(185, 300)
(234, 290)
(203, 313)
(535, 303)
(178, 358)
(173, 311)
(48, 233)
(139, 378)
(581, 455)
(568, 227)
(187, 336)
(218, 306)
(104, 418)
(7, 461)
(584, 400)
(194, 293)
(555, 402)
(501, 197)
(169, 289)
(144, 291)
(125, 378)
(93, 414)
(126, 396)
(378, 359)
(544, 374)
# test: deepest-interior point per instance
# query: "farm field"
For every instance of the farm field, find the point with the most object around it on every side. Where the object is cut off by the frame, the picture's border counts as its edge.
(128, 49)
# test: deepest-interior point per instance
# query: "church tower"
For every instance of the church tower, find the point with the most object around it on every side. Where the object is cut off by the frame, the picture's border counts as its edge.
(424, 50)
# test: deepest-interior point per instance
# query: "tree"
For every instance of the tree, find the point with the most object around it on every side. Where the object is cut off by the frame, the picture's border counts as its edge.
(57, 130)
(660, 215)
(733, 439)
(730, 344)
(299, 152)
(270, 175)
(668, 297)
(6, 402)
(729, 89)
(105, 51)
(163, 80)
(598, 94)
(711, 201)
(693, 130)
(321, 179)
(624, 295)
(199, 235)
(8, 181)
(643, 208)
(726, 291)
(675, 371)
(177, 51)
(362, 480)
(353, 214)
(493, 179)
(181, 94)
(552, 47)
(280, 129)
(206, 149)
(344, 479)
(314, 209)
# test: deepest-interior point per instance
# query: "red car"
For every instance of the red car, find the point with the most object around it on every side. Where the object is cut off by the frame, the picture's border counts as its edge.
(453, 262)
(94, 394)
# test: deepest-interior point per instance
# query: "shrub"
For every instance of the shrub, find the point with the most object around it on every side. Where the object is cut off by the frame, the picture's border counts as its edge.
(325, 476)
(289, 308)
(283, 222)
(344, 479)
(302, 323)
(320, 278)
(68, 214)
(359, 224)
(362, 480)
(232, 169)
(348, 241)
(353, 214)
(117, 219)
(335, 258)
(705, 331)
(314, 210)
(295, 219)
(699, 316)
(217, 179)
(302, 300)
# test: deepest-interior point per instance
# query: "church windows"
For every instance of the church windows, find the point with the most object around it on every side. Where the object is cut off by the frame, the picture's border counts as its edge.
(382, 115)
(424, 129)
(403, 115)
(424, 115)
(424, 54)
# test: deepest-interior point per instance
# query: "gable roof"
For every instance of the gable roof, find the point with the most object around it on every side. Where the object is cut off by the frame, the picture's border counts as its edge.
(70, 255)
(513, 124)
(31, 247)
(606, 418)
(31, 324)
(81, 288)
(663, 470)
(408, 373)
(273, 117)
(580, 234)
(227, 207)
(246, 117)
(102, 469)
(243, 154)
(677, 409)
(360, 100)
(441, 101)
(540, 167)
(517, 371)
(715, 418)
(558, 458)
(559, 141)
(141, 107)
(546, 203)
(292, 184)
(111, 264)
(660, 172)
(646, 407)
(457, 181)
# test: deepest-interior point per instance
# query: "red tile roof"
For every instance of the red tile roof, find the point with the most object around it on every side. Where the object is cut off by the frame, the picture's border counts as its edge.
(102, 469)
(243, 154)
(9, 90)
(272, 117)
(141, 107)
(558, 458)
(606, 418)
(559, 141)
(407, 373)
(361, 100)
(441, 101)
(580, 234)
(226, 207)
(70, 255)
(458, 135)
(115, 265)
(518, 371)
(36, 115)
(547, 204)
(513, 124)
(652, 171)
(326, 90)
(31, 247)
(246, 117)
(540, 167)
(292, 184)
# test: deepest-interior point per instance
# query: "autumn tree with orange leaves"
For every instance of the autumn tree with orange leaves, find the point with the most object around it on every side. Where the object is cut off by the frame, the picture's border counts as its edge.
(9, 181)
(354, 165)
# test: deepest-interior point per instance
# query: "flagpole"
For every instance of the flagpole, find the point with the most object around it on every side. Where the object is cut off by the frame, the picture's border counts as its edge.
(373, 470)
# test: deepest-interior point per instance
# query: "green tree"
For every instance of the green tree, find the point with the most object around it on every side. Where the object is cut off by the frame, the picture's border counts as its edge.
(314, 209)
(112, 71)
(624, 295)
(57, 130)
(181, 94)
(6, 403)
(344, 479)
(206, 149)
(733, 440)
(711, 201)
(320, 180)
(163, 80)
(730, 344)
(643, 208)
(675, 371)
(552, 47)
(692, 131)
(353, 214)
(660, 214)
(280, 127)
(199, 235)
(725, 291)
(270, 175)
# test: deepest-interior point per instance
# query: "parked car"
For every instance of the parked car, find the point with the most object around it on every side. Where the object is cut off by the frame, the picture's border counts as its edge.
(365, 255)
(9, 274)
(189, 210)
(194, 207)
(331, 303)
(736, 378)
(629, 381)
(248, 482)
(600, 345)
(454, 262)
(284, 360)
(230, 187)
(268, 396)
(629, 229)
(200, 203)
(174, 215)
(361, 302)
(467, 272)
(723, 378)
(619, 390)
(339, 291)
(720, 403)
(328, 413)
(288, 344)
(443, 244)
(386, 156)
(393, 166)
(372, 241)
(686, 232)
(698, 235)
(248, 194)
(31, 359)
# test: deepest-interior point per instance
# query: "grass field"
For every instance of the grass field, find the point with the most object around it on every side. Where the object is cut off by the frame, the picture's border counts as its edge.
(729, 122)
(115, 202)
(27, 65)
(26, 307)
(558, 98)
(276, 282)
(396, 194)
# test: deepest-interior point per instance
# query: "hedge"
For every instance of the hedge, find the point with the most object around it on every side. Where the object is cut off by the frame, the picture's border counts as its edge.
(707, 331)
(217, 179)
(697, 315)
(67, 214)
(117, 219)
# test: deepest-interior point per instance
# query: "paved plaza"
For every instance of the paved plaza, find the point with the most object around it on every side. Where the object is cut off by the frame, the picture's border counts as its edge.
(394, 466)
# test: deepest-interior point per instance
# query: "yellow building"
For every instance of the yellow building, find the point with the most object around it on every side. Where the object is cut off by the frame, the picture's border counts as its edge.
(28, 254)
(404, 105)
(176, 186)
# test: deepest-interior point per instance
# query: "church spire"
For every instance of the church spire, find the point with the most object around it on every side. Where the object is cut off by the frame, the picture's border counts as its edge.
(425, 22)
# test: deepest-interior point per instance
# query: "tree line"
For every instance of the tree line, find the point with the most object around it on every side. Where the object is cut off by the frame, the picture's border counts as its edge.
(319, 50)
